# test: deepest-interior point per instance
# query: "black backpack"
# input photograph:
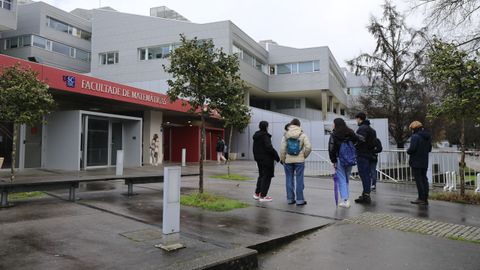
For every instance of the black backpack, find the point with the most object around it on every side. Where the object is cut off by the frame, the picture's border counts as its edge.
(377, 148)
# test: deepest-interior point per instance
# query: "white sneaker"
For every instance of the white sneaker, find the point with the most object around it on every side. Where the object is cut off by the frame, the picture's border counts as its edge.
(266, 199)
(344, 204)
(256, 196)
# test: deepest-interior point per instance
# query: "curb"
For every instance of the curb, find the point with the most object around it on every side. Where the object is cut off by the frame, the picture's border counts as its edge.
(231, 259)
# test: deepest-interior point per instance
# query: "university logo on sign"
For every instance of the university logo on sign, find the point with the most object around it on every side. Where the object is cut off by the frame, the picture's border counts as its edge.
(69, 81)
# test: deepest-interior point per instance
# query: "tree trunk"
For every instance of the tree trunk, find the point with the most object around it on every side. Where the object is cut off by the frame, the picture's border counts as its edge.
(462, 159)
(202, 154)
(229, 149)
(14, 151)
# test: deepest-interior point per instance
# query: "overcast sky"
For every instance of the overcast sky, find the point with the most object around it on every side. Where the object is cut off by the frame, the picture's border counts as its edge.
(339, 24)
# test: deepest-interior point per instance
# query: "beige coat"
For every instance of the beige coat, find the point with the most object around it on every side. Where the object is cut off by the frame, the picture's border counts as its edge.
(295, 132)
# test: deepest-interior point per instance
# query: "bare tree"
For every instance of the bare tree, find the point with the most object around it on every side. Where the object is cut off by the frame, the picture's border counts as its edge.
(393, 69)
(456, 19)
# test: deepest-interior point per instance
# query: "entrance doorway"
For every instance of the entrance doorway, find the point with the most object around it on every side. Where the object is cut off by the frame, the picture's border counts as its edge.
(103, 138)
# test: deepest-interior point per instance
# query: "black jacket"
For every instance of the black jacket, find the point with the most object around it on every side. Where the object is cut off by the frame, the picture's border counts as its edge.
(336, 139)
(420, 146)
(263, 150)
(366, 143)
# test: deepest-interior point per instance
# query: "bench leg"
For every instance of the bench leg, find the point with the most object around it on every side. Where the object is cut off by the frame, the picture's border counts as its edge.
(4, 199)
(130, 189)
(72, 195)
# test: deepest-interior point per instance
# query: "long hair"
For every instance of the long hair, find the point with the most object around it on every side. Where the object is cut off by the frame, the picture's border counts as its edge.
(341, 127)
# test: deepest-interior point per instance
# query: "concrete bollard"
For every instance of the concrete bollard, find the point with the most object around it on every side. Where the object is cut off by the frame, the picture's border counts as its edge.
(119, 165)
(184, 157)
(171, 209)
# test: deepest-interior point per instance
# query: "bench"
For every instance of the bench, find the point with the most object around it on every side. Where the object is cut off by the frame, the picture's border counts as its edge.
(73, 183)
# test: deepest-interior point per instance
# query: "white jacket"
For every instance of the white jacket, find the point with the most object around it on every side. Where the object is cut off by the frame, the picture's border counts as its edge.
(306, 146)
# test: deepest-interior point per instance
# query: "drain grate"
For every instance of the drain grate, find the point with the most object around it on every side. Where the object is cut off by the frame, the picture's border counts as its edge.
(423, 226)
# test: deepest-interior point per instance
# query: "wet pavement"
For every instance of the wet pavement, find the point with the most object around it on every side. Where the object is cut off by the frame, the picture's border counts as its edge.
(105, 229)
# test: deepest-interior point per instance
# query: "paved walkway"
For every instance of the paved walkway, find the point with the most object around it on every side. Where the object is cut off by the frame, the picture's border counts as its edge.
(58, 234)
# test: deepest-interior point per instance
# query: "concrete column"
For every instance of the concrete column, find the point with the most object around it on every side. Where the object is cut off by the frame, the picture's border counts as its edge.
(247, 98)
(339, 109)
(324, 104)
(152, 124)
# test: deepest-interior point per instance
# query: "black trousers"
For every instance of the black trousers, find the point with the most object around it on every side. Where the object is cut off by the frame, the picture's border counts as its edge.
(421, 180)
(265, 174)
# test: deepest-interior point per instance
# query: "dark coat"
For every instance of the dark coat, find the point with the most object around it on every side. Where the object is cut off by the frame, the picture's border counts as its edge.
(420, 146)
(365, 145)
(336, 139)
(263, 151)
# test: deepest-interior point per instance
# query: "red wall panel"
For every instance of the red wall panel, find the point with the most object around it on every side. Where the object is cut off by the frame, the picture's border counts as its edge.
(185, 137)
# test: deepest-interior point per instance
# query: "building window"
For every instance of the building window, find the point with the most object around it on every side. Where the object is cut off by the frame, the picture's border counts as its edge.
(39, 42)
(288, 104)
(6, 4)
(293, 68)
(61, 49)
(108, 58)
(68, 29)
(284, 69)
(157, 52)
(249, 58)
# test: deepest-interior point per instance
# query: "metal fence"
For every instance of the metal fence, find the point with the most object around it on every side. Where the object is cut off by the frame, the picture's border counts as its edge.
(392, 166)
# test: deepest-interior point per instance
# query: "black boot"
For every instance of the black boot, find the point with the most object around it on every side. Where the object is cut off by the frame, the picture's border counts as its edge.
(364, 198)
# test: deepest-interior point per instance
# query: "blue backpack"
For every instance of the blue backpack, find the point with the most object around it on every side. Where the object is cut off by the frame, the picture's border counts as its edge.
(293, 146)
(347, 154)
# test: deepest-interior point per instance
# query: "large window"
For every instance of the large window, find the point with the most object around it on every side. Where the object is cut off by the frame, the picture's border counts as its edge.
(156, 52)
(69, 29)
(109, 58)
(6, 4)
(293, 68)
(17, 42)
(249, 58)
(288, 104)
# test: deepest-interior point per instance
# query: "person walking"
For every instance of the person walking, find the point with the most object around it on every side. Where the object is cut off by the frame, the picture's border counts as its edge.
(220, 148)
(365, 146)
(265, 156)
(154, 149)
(295, 148)
(420, 146)
(342, 152)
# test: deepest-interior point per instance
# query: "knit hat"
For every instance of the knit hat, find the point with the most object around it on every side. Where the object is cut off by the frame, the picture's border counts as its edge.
(415, 125)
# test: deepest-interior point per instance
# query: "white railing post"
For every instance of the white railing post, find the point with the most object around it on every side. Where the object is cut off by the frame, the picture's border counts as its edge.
(448, 177)
(430, 171)
(477, 190)
(453, 187)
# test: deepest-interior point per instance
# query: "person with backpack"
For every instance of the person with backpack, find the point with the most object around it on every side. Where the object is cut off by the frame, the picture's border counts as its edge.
(295, 148)
(420, 146)
(265, 156)
(342, 152)
(365, 146)
(377, 149)
(220, 148)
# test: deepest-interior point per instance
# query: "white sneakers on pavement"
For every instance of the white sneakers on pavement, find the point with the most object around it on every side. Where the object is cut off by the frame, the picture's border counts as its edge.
(344, 204)
(266, 199)
(256, 196)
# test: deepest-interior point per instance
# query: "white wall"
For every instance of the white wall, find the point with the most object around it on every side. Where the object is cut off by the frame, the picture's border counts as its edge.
(132, 143)
(61, 145)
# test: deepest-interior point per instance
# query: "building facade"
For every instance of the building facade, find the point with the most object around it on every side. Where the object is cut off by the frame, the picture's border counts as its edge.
(122, 51)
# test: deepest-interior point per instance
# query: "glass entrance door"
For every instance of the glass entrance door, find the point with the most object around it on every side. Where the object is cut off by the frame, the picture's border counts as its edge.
(117, 141)
(33, 146)
(97, 142)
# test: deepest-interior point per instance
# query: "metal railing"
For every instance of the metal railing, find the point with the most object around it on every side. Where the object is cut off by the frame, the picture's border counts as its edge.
(393, 166)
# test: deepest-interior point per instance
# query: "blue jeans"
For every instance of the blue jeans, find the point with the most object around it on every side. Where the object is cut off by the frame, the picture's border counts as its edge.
(343, 174)
(365, 172)
(373, 173)
(296, 169)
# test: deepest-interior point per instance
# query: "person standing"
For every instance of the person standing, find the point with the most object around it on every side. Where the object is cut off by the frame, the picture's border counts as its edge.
(265, 156)
(420, 146)
(220, 148)
(295, 148)
(154, 149)
(342, 154)
(365, 155)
